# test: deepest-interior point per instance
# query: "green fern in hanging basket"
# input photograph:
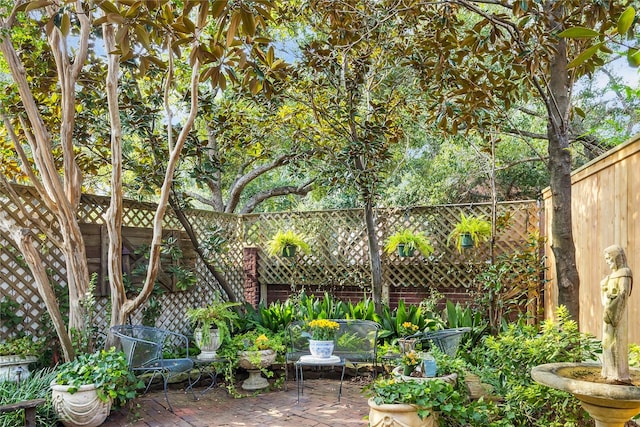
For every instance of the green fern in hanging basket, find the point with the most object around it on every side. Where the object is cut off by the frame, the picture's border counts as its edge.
(407, 241)
(284, 243)
(477, 227)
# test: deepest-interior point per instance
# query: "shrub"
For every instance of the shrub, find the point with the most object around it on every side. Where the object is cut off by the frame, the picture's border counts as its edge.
(505, 362)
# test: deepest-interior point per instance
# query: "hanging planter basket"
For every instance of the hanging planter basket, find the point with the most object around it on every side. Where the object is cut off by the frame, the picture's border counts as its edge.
(289, 251)
(405, 251)
(466, 241)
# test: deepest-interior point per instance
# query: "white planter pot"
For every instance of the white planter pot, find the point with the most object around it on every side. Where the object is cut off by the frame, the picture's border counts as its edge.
(255, 381)
(208, 351)
(321, 349)
(398, 415)
(14, 367)
(80, 409)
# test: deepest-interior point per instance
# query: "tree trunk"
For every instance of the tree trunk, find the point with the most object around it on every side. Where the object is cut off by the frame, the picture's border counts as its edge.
(62, 203)
(113, 217)
(374, 257)
(231, 296)
(32, 257)
(560, 175)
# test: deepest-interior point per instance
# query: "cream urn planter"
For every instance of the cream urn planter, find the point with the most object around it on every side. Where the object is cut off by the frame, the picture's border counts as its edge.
(209, 350)
(80, 409)
(398, 415)
(246, 360)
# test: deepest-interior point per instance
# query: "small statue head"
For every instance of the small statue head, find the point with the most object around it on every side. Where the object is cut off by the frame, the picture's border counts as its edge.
(615, 255)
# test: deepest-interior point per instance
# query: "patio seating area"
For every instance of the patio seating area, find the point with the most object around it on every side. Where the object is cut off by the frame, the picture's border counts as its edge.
(318, 407)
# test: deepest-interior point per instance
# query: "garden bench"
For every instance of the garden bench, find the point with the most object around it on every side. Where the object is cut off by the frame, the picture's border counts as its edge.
(29, 407)
(355, 343)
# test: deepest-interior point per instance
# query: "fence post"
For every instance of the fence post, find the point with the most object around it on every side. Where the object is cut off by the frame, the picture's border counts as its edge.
(250, 268)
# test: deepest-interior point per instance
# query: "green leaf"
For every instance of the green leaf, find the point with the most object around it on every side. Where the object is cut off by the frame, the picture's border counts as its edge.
(580, 59)
(633, 57)
(579, 33)
(65, 25)
(626, 19)
(248, 23)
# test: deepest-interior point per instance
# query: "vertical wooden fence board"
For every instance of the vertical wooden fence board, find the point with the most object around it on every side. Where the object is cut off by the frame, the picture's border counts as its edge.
(606, 210)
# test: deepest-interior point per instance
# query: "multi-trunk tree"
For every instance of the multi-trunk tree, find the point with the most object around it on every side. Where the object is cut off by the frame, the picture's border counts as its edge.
(215, 40)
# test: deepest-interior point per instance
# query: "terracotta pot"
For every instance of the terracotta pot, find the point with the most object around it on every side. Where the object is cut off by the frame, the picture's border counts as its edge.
(398, 415)
(80, 409)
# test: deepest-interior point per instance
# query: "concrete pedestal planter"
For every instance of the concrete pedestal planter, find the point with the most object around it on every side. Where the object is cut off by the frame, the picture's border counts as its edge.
(398, 415)
(449, 378)
(15, 368)
(83, 408)
(252, 361)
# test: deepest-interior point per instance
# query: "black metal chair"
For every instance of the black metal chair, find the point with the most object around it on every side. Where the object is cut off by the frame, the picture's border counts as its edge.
(144, 347)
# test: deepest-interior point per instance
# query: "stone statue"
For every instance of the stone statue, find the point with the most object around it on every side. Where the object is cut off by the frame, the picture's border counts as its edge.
(615, 291)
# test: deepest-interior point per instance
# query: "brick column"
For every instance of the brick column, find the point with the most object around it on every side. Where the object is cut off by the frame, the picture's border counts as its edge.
(250, 268)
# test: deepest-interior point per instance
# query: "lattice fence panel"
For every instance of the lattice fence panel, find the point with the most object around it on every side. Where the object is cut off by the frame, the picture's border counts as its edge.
(339, 251)
(16, 281)
(446, 267)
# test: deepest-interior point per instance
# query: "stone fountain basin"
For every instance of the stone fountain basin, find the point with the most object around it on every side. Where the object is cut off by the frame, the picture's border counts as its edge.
(584, 381)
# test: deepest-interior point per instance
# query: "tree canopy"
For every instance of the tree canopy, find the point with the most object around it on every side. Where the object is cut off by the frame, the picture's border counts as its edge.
(382, 102)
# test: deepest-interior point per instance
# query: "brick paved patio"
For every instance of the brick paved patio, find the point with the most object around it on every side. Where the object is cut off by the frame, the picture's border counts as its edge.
(318, 407)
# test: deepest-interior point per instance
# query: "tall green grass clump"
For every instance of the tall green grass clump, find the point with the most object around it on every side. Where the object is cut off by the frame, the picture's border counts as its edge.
(34, 387)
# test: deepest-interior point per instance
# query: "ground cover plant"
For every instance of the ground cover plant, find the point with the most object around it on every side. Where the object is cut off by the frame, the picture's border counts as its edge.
(34, 387)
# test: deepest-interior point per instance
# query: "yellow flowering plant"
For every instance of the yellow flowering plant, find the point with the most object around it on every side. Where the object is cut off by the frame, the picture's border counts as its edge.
(255, 340)
(262, 342)
(407, 328)
(410, 359)
(323, 329)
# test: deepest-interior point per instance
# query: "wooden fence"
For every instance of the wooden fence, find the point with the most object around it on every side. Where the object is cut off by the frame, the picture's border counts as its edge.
(339, 257)
(605, 211)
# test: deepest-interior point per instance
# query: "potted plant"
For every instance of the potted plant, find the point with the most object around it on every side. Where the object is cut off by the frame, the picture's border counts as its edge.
(212, 326)
(470, 231)
(256, 350)
(406, 242)
(406, 330)
(409, 361)
(407, 403)
(15, 356)
(85, 388)
(322, 335)
(285, 243)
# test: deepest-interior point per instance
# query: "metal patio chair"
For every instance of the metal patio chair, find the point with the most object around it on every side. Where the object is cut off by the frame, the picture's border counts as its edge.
(144, 347)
